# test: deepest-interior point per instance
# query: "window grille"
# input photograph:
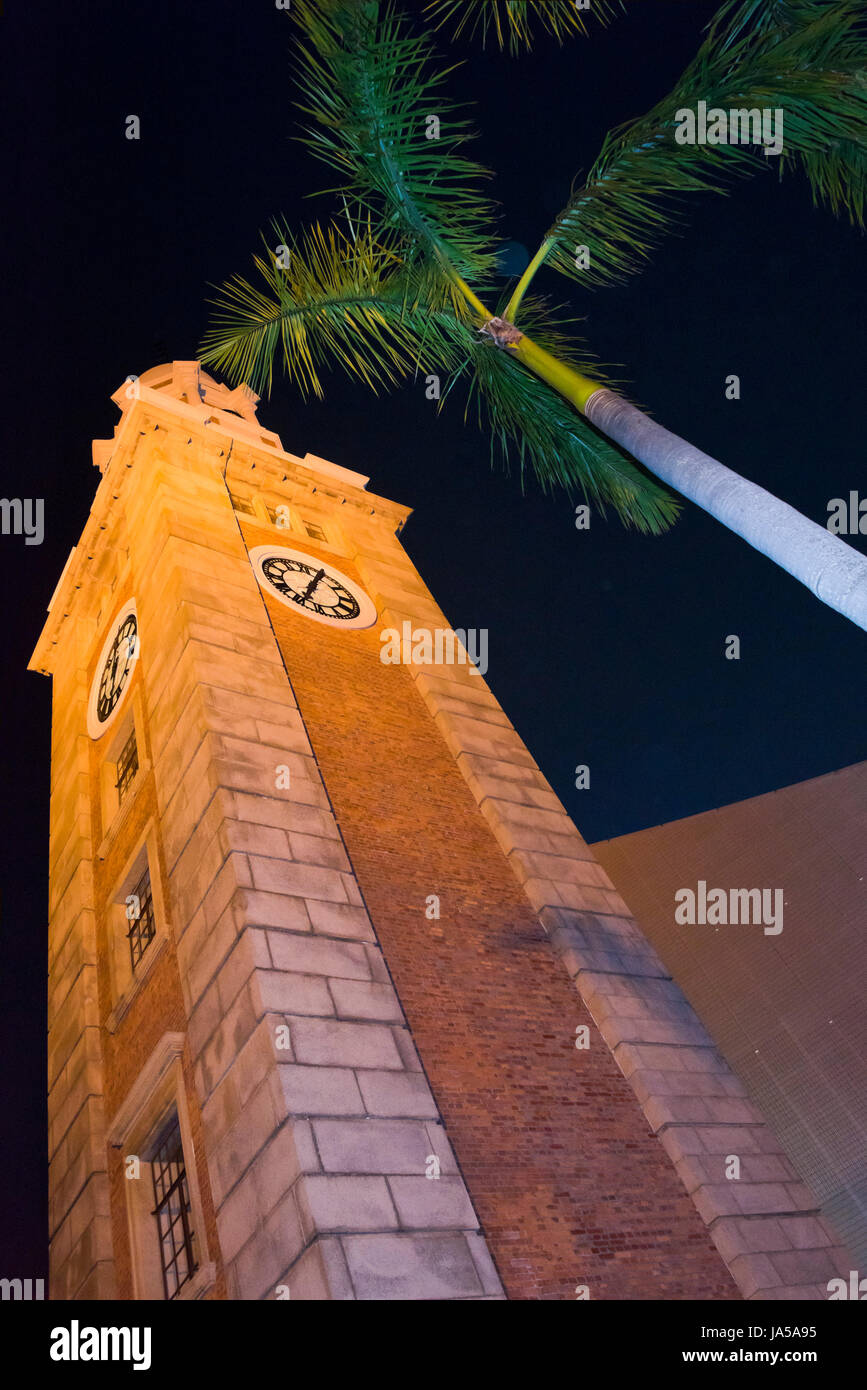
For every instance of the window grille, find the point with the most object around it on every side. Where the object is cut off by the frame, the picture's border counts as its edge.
(127, 766)
(140, 912)
(172, 1210)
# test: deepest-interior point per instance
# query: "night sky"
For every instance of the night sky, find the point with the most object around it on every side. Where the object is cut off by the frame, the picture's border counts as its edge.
(606, 648)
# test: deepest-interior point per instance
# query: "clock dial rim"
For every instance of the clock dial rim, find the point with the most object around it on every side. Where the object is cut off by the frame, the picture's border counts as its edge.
(97, 726)
(367, 614)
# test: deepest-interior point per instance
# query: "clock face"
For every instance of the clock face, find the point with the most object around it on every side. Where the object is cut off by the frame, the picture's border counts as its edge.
(113, 670)
(312, 587)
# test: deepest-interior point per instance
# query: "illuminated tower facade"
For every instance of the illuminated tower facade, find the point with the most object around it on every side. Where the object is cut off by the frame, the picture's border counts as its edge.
(341, 1005)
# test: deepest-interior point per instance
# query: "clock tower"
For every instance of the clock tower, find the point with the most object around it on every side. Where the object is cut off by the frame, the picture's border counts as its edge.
(341, 1006)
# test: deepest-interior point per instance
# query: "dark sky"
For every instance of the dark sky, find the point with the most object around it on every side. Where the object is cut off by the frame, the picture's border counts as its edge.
(605, 648)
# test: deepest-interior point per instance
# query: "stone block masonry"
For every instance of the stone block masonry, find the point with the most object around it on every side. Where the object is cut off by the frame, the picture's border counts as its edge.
(659, 1044)
(564, 1172)
(311, 1094)
(381, 1101)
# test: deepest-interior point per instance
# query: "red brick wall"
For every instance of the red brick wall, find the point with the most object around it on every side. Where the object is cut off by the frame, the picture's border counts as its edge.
(568, 1181)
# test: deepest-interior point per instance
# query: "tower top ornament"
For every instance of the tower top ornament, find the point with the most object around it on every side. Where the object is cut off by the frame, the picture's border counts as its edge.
(188, 381)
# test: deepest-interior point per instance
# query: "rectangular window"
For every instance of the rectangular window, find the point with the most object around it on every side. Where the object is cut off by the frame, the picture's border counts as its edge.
(120, 771)
(140, 915)
(241, 504)
(315, 532)
(127, 767)
(172, 1210)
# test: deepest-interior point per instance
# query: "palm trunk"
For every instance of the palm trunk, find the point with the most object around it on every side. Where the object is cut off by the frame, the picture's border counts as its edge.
(832, 570)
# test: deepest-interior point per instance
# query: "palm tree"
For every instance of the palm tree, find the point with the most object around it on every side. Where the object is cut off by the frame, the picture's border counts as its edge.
(401, 281)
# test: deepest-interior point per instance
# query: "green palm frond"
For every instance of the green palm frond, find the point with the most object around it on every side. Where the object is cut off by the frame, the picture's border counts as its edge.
(554, 327)
(514, 23)
(807, 57)
(343, 299)
(383, 120)
(738, 18)
(534, 428)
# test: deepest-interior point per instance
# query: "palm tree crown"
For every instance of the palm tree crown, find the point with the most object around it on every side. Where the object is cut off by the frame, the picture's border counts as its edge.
(405, 279)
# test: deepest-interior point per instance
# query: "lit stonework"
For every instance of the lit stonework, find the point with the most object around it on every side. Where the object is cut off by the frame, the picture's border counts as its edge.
(332, 1091)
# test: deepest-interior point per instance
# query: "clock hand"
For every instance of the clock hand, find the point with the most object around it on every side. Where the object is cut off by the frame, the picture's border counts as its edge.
(312, 585)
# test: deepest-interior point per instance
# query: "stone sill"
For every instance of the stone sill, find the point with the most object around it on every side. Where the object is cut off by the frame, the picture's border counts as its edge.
(201, 1283)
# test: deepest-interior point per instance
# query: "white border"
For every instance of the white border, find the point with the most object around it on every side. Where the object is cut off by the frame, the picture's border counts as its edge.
(96, 727)
(367, 615)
